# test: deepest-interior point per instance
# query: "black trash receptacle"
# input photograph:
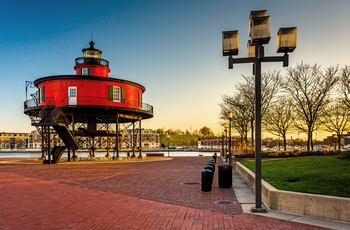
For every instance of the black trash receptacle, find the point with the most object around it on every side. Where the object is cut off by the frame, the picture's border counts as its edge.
(206, 180)
(225, 176)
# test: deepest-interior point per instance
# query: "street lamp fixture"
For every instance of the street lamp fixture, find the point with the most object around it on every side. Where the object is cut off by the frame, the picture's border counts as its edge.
(250, 49)
(260, 34)
(255, 14)
(286, 40)
(226, 126)
(230, 43)
(222, 144)
(260, 30)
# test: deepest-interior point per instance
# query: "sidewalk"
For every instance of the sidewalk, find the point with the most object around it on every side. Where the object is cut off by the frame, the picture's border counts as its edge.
(246, 198)
(128, 195)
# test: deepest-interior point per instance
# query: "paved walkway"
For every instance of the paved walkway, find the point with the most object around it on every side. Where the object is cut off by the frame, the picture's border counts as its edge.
(123, 195)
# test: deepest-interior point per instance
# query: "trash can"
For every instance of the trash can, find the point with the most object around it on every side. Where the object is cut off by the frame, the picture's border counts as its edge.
(225, 176)
(206, 180)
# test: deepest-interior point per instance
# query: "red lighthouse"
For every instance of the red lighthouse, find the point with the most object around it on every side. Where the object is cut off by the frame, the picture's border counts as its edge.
(87, 104)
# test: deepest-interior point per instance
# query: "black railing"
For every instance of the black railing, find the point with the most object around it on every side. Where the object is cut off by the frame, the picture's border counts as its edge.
(94, 101)
(96, 61)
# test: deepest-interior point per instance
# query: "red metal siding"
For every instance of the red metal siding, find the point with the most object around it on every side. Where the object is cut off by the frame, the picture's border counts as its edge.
(100, 71)
(89, 93)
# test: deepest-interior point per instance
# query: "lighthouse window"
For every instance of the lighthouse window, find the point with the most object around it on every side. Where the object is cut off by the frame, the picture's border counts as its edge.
(42, 94)
(85, 71)
(116, 93)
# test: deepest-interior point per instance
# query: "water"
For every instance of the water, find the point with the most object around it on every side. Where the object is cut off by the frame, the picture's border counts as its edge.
(102, 154)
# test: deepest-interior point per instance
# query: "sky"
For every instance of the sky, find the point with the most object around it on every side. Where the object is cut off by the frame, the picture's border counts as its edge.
(173, 48)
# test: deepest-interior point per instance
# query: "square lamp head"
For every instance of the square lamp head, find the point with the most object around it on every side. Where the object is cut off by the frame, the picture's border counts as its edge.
(250, 49)
(286, 40)
(260, 30)
(230, 43)
(255, 14)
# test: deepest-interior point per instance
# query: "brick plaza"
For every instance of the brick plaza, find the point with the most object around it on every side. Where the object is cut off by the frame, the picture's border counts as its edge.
(121, 195)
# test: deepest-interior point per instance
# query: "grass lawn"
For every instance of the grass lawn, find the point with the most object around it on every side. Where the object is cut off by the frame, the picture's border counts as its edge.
(326, 175)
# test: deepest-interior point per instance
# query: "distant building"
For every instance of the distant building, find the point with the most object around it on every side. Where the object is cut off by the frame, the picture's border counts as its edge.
(149, 139)
(13, 140)
(34, 140)
(216, 142)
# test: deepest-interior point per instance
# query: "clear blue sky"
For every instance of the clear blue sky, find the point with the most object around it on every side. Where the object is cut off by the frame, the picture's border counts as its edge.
(173, 48)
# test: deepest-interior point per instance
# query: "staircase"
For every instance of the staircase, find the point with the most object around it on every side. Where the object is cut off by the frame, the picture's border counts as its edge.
(56, 118)
(65, 135)
(56, 154)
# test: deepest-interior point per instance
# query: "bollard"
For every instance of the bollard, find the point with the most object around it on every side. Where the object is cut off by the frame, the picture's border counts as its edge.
(211, 168)
(213, 165)
(214, 157)
(206, 180)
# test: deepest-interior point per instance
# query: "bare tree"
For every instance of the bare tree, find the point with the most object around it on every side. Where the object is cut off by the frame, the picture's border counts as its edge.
(247, 102)
(345, 84)
(336, 118)
(241, 114)
(278, 119)
(310, 87)
(270, 82)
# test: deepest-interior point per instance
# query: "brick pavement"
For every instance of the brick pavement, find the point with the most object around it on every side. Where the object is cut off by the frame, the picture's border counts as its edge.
(119, 195)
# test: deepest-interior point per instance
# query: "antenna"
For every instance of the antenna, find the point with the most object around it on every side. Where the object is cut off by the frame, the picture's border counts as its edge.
(91, 36)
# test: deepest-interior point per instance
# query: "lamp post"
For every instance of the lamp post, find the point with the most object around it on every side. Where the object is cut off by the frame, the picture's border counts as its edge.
(226, 126)
(222, 144)
(230, 116)
(168, 139)
(259, 33)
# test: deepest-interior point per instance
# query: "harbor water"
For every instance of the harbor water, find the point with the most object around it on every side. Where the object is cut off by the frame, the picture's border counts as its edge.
(102, 154)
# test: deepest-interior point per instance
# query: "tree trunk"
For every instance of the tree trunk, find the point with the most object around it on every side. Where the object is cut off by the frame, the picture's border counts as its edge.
(308, 141)
(252, 127)
(284, 142)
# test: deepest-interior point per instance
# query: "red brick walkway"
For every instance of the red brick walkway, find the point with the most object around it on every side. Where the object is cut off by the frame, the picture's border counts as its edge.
(147, 195)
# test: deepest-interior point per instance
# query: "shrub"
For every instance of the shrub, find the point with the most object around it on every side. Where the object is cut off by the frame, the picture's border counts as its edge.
(344, 155)
(283, 154)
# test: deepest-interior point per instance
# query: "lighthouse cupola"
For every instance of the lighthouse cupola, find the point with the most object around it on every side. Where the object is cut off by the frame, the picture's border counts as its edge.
(91, 63)
(91, 52)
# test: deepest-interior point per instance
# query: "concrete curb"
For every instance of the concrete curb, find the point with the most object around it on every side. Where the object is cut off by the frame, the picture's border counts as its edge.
(329, 207)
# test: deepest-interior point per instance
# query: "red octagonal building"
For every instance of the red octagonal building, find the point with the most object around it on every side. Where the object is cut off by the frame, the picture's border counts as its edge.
(87, 104)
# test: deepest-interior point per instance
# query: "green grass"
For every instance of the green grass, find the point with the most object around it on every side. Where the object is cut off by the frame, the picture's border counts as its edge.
(326, 175)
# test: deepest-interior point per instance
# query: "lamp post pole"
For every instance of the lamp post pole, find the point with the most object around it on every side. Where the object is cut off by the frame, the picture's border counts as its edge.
(226, 160)
(168, 139)
(258, 197)
(222, 145)
(229, 141)
(259, 32)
